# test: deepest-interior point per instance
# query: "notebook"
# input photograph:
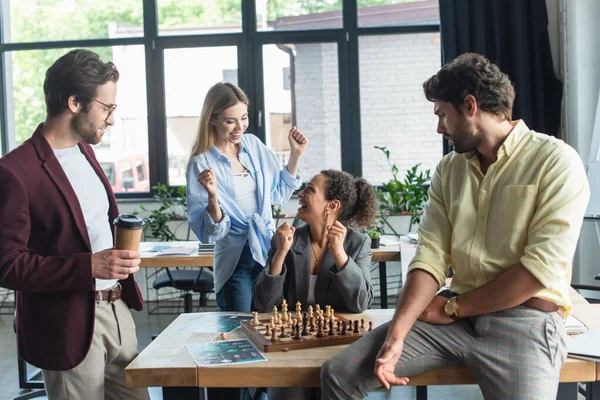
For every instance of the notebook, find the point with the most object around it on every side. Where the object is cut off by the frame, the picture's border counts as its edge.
(585, 346)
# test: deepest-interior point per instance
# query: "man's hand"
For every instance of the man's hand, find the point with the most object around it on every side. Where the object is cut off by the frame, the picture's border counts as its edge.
(386, 361)
(208, 180)
(115, 264)
(434, 313)
(298, 142)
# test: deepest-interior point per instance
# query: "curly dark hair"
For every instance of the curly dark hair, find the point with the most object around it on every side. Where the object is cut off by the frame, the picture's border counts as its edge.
(472, 74)
(357, 197)
(77, 73)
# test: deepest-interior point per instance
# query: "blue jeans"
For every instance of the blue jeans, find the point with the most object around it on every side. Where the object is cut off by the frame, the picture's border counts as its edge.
(236, 294)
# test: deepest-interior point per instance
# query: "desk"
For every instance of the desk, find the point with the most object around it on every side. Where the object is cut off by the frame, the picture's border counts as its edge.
(167, 363)
(381, 256)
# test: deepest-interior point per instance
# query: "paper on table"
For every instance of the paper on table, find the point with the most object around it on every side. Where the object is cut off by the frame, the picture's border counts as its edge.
(585, 346)
(215, 323)
(225, 352)
(177, 251)
(574, 326)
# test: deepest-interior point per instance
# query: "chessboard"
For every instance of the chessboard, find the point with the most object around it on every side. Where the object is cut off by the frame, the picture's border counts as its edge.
(304, 330)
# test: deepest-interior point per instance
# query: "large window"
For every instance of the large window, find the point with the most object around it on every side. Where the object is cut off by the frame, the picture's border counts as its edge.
(298, 62)
(394, 111)
(185, 89)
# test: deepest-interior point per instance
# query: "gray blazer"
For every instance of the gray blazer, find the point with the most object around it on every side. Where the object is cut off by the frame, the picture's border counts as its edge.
(347, 290)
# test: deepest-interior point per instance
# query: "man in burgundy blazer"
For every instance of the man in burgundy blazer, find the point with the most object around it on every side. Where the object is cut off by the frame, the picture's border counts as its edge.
(45, 247)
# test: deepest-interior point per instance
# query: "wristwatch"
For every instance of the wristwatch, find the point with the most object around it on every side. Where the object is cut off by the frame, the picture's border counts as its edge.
(451, 307)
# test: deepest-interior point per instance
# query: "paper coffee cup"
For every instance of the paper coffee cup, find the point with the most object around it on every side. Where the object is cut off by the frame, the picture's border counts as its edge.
(128, 232)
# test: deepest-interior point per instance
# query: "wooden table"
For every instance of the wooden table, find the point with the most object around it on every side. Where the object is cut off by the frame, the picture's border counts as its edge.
(167, 363)
(381, 255)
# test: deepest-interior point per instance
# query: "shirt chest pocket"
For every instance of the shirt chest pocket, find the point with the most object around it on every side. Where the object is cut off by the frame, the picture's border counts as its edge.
(517, 203)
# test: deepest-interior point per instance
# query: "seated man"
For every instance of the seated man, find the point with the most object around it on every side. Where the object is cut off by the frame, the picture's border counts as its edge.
(505, 211)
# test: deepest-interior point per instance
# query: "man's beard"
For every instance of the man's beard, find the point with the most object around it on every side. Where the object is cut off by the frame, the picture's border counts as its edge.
(84, 130)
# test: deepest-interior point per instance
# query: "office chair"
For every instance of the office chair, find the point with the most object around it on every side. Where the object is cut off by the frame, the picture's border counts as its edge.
(196, 280)
(36, 387)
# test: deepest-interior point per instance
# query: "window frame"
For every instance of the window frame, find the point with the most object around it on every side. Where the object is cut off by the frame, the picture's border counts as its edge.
(249, 43)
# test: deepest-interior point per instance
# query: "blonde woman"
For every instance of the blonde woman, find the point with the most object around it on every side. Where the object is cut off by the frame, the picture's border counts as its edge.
(232, 181)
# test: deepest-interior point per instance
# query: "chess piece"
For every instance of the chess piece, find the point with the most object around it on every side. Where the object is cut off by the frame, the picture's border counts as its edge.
(356, 326)
(278, 319)
(344, 328)
(274, 310)
(297, 337)
(327, 311)
(312, 325)
(317, 308)
(331, 332)
(255, 321)
(290, 316)
(272, 321)
(268, 332)
(298, 310)
(310, 312)
(284, 313)
(320, 333)
(283, 333)
(274, 335)
(304, 330)
(331, 314)
(338, 325)
(362, 323)
(370, 326)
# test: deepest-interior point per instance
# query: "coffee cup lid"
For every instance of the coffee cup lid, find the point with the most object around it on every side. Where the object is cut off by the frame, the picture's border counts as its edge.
(129, 221)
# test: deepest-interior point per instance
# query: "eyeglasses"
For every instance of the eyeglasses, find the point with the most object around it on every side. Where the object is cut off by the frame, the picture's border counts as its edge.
(111, 109)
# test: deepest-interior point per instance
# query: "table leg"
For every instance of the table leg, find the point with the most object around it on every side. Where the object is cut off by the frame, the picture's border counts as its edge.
(383, 284)
(183, 393)
(592, 391)
(421, 392)
(567, 391)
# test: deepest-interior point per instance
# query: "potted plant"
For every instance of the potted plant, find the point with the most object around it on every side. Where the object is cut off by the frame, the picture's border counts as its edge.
(403, 197)
(164, 222)
(375, 238)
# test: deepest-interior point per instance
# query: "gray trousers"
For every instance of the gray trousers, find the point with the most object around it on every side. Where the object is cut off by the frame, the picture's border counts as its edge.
(101, 374)
(514, 354)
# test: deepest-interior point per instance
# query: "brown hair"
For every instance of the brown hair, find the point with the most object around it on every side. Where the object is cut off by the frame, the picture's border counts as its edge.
(472, 74)
(77, 73)
(219, 97)
(357, 197)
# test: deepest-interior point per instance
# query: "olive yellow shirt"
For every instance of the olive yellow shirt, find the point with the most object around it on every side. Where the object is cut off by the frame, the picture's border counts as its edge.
(527, 208)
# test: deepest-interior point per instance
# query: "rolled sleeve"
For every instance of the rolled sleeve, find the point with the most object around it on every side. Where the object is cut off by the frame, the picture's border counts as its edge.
(214, 231)
(554, 229)
(293, 182)
(435, 233)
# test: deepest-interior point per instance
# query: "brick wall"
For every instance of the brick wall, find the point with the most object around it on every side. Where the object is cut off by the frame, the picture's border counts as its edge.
(394, 111)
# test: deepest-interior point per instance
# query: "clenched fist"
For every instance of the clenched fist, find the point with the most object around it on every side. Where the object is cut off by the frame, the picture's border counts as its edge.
(208, 180)
(285, 237)
(298, 142)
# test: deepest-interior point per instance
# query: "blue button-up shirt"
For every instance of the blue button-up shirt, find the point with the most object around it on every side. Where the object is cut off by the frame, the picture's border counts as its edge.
(273, 186)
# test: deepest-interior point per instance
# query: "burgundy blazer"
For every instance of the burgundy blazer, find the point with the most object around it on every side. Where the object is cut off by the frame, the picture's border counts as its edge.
(45, 255)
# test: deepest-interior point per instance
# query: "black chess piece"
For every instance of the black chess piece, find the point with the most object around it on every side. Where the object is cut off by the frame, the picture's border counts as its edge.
(370, 326)
(356, 326)
(283, 333)
(331, 332)
(362, 323)
(274, 335)
(339, 326)
(298, 337)
(344, 328)
(304, 330)
(320, 333)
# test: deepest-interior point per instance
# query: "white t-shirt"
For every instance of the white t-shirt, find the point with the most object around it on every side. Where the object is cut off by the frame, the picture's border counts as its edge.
(245, 193)
(93, 201)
